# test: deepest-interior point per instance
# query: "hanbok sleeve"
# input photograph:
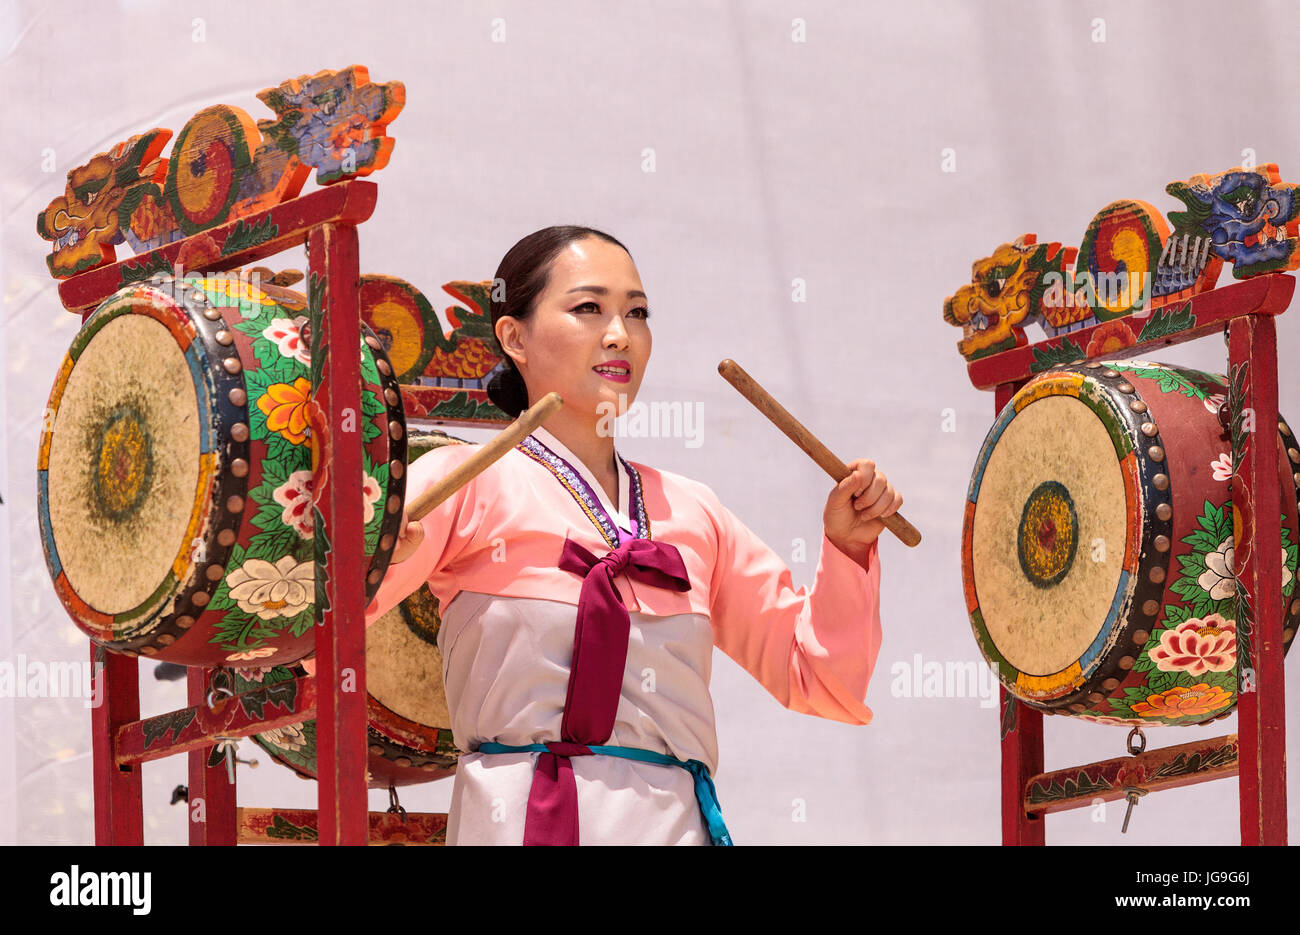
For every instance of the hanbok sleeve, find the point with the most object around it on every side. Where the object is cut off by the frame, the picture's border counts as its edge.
(447, 529)
(814, 650)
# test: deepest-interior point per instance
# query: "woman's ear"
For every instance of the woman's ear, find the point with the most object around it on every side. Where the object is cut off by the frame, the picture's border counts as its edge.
(509, 335)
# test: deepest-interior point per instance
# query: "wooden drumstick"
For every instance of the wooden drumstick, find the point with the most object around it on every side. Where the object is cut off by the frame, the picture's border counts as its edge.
(476, 463)
(735, 374)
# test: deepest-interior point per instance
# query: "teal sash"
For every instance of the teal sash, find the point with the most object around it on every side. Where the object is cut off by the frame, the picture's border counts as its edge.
(705, 792)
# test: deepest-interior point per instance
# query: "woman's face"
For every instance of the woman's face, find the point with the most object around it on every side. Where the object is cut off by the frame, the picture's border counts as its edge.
(588, 337)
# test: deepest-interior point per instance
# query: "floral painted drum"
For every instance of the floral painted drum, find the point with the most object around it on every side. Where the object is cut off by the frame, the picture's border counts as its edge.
(408, 727)
(175, 473)
(1097, 546)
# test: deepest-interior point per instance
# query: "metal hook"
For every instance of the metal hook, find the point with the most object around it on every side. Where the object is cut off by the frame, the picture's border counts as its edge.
(1137, 732)
(224, 676)
(394, 806)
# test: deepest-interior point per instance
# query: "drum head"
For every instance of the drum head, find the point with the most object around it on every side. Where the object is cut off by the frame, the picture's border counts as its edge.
(404, 667)
(1052, 492)
(1052, 535)
(128, 461)
(180, 468)
(404, 664)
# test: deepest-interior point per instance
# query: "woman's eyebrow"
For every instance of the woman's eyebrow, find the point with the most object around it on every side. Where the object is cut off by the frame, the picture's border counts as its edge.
(601, 290)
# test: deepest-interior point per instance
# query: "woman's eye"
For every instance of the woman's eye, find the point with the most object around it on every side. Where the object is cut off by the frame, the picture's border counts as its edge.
(641, 311)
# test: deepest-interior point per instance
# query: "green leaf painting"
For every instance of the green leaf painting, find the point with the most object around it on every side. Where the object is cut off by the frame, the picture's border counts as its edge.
(155, 728)
(1067, 352)
(1166, 321)
(1080, 784)
(277, 694)
(1170, 380)
(244, 236)
(460, 406)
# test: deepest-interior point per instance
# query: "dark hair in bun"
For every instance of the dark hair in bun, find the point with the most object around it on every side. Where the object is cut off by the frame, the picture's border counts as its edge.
(520, 279)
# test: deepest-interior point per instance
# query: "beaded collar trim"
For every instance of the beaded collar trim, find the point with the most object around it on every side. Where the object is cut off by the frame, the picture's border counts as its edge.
(586, 498)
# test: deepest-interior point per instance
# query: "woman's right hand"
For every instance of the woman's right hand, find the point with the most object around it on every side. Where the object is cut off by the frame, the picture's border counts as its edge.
(408, 541)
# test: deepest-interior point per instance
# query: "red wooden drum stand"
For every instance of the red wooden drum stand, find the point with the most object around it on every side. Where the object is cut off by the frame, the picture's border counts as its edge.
(225, 198)
(1168, 296)
(327, 220)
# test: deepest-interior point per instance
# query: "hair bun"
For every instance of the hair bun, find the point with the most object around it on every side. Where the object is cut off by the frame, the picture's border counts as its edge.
(507, 390)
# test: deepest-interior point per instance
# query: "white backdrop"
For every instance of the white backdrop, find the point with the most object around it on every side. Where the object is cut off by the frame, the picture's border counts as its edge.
(773, 160)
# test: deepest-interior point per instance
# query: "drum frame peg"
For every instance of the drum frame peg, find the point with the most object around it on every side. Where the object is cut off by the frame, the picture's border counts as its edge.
(229, 745)
(1132, 793)
(394, 806)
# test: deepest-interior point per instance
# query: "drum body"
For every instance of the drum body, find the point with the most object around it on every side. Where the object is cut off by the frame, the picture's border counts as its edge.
(1097, 546)
(176, 473)
(408, 726)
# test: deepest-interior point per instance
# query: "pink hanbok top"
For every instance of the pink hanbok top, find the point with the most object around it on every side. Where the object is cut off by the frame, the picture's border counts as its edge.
(490, 555)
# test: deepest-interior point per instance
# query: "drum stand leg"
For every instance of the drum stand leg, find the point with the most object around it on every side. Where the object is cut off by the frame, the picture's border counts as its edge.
(119, 807)
(1022, 758)
(212, 790)
(340, 561)
(1257, 499)
(341, 744)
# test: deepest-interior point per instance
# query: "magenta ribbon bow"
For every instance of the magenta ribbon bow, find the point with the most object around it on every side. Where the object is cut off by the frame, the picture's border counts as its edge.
(595, 676)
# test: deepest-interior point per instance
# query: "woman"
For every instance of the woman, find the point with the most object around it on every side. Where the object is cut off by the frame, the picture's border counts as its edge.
(581, 595)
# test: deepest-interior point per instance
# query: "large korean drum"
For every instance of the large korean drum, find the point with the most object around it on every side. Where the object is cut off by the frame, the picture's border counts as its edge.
(1097, 547)
(175, 473)
(408, 728)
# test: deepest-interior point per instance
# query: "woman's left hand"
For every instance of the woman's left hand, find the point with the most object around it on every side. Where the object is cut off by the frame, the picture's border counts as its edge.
(855, 509)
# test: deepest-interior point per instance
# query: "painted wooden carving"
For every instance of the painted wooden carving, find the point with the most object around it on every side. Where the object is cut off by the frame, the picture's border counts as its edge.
(91, 215)
(1247, 217)
(444, 373)
(223, 166)
(1005, 294)
(1133, 276)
